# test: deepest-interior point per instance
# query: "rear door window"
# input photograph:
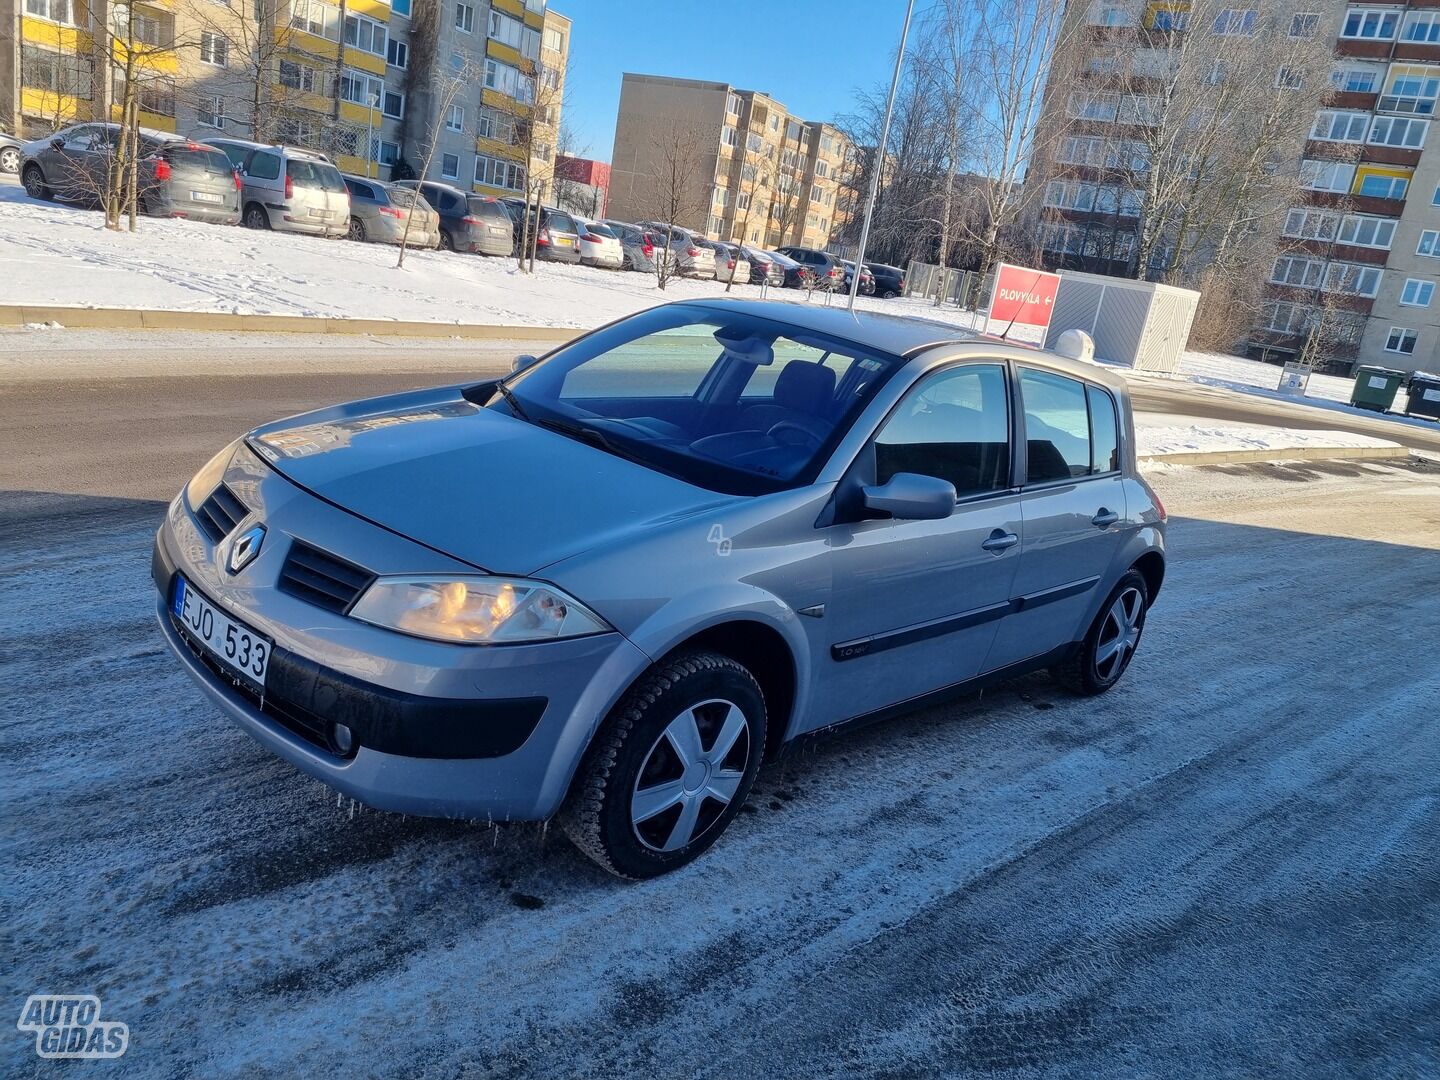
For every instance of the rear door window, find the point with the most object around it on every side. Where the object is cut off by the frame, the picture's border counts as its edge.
(954, 425)
(1104, 431)
(1057, 426)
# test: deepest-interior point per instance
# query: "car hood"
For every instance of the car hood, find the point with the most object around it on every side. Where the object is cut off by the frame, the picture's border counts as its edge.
(474, 483)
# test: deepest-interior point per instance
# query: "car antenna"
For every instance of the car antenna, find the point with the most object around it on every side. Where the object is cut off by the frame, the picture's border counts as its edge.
(1011, 323)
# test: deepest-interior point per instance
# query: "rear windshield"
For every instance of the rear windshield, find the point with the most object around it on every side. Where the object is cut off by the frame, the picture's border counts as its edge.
(314, 174)
(560, 223)
(210, 162)
(600, 230)
(486, 208)
(398, 196)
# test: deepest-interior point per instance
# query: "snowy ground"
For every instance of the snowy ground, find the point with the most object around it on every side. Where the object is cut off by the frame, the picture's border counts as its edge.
(1227, 866)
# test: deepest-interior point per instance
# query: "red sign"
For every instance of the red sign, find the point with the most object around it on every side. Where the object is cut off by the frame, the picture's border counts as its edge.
(1021, 297)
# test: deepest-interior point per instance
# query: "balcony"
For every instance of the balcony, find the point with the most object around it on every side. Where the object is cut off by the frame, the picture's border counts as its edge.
(1365, 48)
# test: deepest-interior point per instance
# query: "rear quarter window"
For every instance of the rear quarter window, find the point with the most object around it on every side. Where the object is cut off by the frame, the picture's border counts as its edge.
(1104, 431)
(264, 166)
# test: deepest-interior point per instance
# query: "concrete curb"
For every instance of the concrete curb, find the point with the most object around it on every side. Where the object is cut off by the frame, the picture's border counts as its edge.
(89, 318)
(1306, 453)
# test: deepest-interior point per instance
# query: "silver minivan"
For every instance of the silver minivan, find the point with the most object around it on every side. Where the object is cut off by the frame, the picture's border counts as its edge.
(290, 189)
(606, 587)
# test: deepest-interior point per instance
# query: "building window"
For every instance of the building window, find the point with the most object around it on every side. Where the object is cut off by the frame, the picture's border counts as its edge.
(503, 28)
(499, 173)
(1352, 279)
(1418, 292)
(1429, 244)
(1093, 106)
(456, 120)
(727, 136)
(1070, 195)
(1235, 21)
(753, 142)
(1402, 131)
(400, 7)
(60, 73)
(1365, 231)
(508, 81)
(386, 153)
(211, 111)
(1326, 175)
(155, 96)
(1304, 24)
(55, 10)
(1421, 26)
(1306, 223)
(1107, 13)
(397, 54)
(732, 104)
(1283, 317)
(1289, 79)
(297, 76)
(1401, 340)
(1411, 89)
(393, 104)
(496, 125)
(359, 88)
(1383, 185)
(1356, 80)
(465, 18)
(214, 49)
(365, 34)
(1335, 126)
(1435, 199)
(1297, 270)
(450, 166)
(316, 18)
(1375, 25)
(554, 39)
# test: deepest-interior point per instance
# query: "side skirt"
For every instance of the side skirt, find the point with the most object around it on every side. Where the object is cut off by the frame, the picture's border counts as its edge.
(954, 692)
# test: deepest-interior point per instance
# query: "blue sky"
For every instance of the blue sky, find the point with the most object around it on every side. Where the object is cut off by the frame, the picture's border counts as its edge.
(809, 55)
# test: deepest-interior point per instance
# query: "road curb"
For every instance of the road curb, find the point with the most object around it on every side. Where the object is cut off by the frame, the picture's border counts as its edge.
(92, 318)
(1299, 453)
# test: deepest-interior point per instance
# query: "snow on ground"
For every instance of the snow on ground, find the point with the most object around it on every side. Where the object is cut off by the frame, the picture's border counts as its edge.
(1155, 435)
(52, 253)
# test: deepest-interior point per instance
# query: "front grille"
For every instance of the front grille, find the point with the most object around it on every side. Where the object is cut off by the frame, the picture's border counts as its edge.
(321, 579)
(220, 513)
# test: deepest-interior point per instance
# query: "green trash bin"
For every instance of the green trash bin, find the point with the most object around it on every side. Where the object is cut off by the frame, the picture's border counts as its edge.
(1375, 387)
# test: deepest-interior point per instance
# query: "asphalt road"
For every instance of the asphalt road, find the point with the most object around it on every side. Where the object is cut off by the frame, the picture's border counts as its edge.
(1228, 866)
(87, 425)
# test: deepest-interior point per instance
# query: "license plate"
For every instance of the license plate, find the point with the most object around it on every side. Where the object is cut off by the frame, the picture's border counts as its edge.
(238, 648)
(319, 213)
(564, 241)
(205, 196)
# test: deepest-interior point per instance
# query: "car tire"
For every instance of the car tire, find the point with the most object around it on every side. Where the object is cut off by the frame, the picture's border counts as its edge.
(669, 769)
(1112, 641)
(255, 217)
(447, 243)
(9, 160)
(34, 183)
(889, 294)
(356, 230)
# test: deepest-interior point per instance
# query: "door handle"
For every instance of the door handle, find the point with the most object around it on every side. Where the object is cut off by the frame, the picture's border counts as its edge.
(1000, 540)
(1104, 518)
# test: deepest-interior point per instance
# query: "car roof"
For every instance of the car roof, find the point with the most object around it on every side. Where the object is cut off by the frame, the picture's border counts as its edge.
(899, 335)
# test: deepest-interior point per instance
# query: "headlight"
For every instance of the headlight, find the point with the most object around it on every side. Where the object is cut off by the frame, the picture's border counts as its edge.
(209, 476)
(475, 609)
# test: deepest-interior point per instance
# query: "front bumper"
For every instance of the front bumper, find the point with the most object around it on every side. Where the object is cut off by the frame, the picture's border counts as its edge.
(487, 732)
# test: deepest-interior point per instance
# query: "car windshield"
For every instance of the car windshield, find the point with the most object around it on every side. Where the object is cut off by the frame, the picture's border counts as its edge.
(721, 399)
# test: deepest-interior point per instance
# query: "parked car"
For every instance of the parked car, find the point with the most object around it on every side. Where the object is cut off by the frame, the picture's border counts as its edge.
(729, 262)
(867, 279)
(599, 246)
(177, 176)
(795, 275)
(557, 236)
(900, 534)
(889, 280)
(289, 188)
(10, 148)
(640, 248)
(468, 222)
(390, 214)
(828, 271)
(691, 259)
(764, 267)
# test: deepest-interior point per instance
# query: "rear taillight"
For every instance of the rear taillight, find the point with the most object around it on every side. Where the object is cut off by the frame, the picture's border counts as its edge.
(289, 187)
(472, 220)
(162, 169)
(692, 252)
(1159, 506)
(239, 184)
(730, 265)
(648, 248)
(391, 211)
(544, 238)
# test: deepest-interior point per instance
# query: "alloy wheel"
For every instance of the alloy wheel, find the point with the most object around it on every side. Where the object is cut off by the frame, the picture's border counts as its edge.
(690, 775)
(1119, 634)
(10, 160)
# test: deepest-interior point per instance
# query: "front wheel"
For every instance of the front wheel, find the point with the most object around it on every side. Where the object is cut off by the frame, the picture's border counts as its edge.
(34, 182)
(1110, 644)
(670, 768)
(447, 243)
(9, 160)
(256, 217)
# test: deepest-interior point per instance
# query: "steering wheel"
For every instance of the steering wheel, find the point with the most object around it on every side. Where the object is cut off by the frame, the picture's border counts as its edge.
(811, 432)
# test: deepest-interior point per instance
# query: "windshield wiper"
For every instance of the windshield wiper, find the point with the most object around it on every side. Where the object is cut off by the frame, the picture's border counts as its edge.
(596, 438)
(511, 400)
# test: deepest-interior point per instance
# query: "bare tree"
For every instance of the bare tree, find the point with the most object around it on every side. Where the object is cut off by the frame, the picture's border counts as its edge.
(444, 89)
(253, 44)
(675, 186)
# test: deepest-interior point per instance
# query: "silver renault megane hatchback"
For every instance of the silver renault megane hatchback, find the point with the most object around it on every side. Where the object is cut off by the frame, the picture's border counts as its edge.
(605, 588)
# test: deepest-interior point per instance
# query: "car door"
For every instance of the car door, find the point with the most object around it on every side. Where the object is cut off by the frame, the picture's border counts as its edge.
(1073, 506)
(67, 166)
(914, 605)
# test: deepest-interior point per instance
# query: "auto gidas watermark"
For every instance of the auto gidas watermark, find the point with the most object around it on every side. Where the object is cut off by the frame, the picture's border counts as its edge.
(69, 1026)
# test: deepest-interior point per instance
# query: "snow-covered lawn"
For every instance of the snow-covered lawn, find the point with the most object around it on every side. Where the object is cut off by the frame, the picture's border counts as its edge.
(52, 253)
(1155, 436)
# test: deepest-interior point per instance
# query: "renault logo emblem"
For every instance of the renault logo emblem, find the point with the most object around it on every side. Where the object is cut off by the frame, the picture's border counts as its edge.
(245, 548)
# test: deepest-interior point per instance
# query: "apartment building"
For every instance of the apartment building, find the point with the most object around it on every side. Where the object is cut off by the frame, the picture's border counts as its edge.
(374, 83)
(1359, 249)
(754, 172)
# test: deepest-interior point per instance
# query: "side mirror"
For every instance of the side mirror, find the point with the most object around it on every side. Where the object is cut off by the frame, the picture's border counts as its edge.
(522, 362)
(912, 497)
(58, 142)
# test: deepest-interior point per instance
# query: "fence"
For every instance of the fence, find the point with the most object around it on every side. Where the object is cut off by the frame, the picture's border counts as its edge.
(958, 287)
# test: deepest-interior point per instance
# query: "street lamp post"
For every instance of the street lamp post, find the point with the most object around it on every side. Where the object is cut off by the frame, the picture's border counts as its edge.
(879, 162)
(370, 136)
